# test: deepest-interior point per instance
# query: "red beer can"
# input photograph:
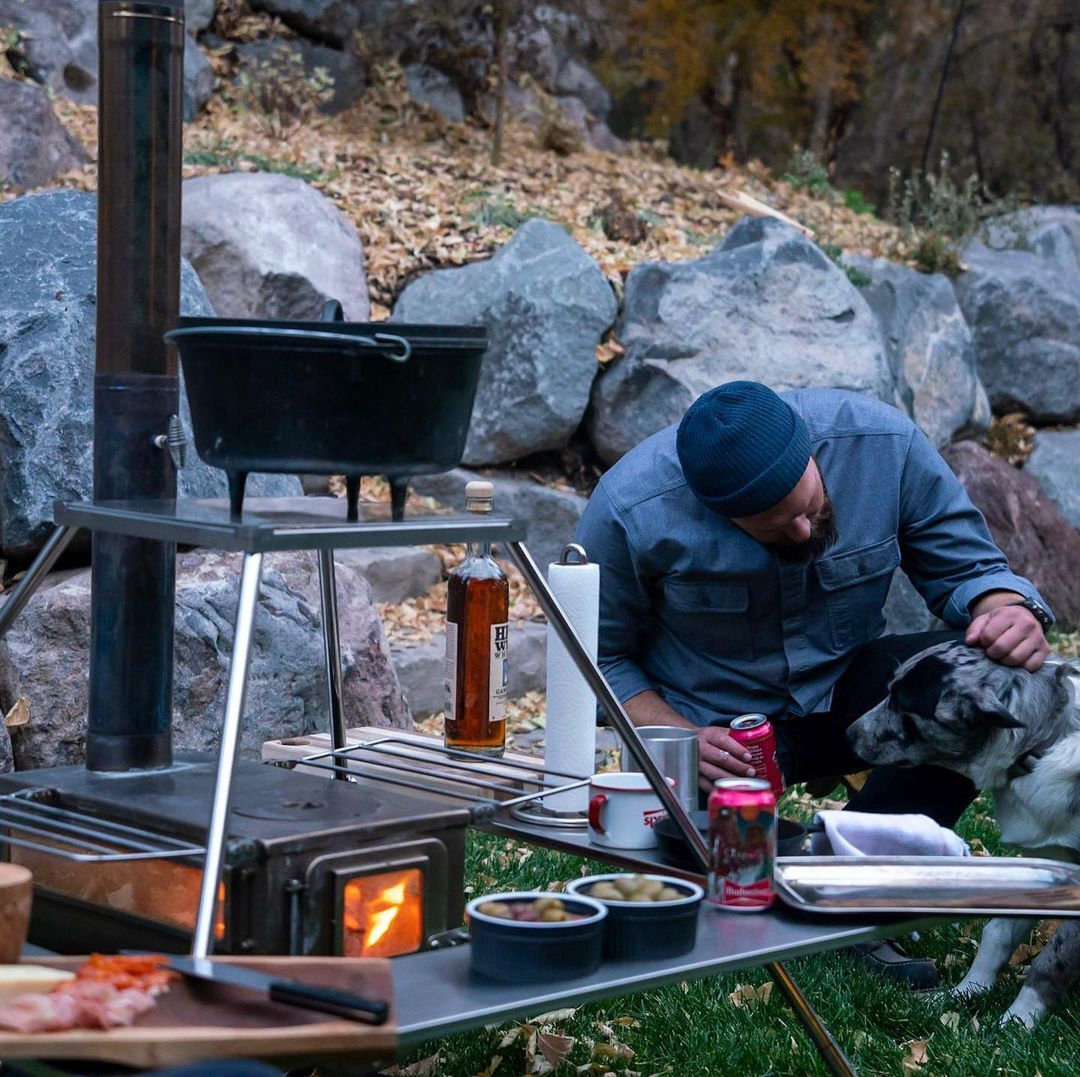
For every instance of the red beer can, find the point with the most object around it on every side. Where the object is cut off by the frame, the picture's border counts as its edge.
(742, 844)
(755, 733)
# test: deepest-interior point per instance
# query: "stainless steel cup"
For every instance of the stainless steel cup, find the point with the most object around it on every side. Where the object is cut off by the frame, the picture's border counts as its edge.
(675, 752)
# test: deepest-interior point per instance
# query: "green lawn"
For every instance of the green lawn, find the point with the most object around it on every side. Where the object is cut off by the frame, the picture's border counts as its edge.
(696, 1028)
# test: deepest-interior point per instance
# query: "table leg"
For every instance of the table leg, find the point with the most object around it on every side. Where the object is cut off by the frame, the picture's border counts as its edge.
(827, 1047)
(54, 546)
(203, 940)
(332, 653)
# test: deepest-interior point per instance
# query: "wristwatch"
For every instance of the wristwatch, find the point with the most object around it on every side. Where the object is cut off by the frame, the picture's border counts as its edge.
(1044, 618)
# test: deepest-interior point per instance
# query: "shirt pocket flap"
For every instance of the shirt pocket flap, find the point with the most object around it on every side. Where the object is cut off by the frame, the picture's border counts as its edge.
(866, 564)
(701, 596)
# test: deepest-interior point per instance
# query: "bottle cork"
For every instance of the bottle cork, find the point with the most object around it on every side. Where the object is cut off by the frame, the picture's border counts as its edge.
(479, 496)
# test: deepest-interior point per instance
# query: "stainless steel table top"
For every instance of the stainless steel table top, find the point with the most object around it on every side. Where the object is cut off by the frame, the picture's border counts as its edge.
(435, 994)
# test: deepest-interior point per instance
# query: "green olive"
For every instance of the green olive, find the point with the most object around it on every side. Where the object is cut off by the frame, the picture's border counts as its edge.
(607, 891)
(669, 893)
(627, 884)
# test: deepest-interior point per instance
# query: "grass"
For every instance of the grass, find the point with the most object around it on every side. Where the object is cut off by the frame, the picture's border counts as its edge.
(696, 1028)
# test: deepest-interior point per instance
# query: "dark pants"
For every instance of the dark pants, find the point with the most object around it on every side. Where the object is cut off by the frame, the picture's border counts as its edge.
(816, 746)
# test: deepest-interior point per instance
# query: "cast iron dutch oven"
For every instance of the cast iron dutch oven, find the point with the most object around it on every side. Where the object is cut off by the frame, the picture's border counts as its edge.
(329, 397)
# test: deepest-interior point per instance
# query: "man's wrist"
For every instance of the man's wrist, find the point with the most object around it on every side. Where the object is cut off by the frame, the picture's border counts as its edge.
(1041, 615)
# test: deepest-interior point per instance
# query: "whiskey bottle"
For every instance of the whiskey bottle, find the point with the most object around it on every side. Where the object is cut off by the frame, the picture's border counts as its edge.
(477, 639)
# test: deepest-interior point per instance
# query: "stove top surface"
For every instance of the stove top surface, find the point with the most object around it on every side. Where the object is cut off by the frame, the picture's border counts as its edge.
(268, 803)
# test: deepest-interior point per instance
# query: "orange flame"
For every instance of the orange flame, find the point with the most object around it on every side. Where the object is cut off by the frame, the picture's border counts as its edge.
(383, 914)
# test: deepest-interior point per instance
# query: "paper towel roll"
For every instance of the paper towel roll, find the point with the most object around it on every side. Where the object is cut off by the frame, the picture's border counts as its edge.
(570, 739)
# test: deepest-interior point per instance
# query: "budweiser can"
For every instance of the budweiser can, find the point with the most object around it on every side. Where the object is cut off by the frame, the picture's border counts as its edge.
(755, 733)
(742, 844)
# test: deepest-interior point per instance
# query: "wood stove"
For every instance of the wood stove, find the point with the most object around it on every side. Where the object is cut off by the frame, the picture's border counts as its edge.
(310, 866)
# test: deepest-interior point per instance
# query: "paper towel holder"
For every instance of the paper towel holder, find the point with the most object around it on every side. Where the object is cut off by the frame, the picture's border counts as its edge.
(572, 548)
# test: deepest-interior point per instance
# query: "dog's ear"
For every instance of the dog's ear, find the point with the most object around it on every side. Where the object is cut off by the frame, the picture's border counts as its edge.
(993, 712)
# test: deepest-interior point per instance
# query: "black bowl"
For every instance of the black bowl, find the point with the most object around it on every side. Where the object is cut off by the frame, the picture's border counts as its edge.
(642, 930)
(515, 951)
(675, 850)
(329, 398)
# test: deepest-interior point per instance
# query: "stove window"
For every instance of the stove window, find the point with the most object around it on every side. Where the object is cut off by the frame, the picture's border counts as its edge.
(382, 915)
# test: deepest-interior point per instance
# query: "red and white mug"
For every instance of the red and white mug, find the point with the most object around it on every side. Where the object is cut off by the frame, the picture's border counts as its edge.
(623, 809)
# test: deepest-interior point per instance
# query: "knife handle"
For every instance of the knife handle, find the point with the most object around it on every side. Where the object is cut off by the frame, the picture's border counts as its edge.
(328, 1000)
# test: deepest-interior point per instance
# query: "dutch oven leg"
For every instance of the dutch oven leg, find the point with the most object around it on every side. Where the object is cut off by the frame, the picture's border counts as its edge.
(237, 482)
(399, 491)
(352, 498)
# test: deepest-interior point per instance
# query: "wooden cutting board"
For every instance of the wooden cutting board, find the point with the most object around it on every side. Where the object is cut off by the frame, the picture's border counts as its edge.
(197, 1020)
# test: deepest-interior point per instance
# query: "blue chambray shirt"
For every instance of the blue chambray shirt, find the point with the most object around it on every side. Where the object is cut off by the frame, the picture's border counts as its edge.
(694, 608)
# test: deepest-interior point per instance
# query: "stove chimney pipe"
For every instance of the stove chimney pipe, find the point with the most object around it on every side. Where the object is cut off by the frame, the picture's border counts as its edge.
(136, 389)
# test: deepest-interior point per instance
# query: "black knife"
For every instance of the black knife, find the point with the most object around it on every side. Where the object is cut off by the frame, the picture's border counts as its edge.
(291, 992)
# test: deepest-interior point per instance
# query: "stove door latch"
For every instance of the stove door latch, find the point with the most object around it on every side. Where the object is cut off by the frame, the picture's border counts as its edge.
(173, 440)
(455, 936)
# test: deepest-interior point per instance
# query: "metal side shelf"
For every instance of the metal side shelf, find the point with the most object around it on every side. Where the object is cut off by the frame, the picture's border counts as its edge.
(436, 994)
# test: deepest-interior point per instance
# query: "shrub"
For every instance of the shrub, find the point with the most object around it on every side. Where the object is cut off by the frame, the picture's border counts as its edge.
(281, 92)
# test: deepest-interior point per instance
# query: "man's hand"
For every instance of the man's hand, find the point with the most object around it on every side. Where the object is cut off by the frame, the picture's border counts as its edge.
(721, 757)
(1010, 635)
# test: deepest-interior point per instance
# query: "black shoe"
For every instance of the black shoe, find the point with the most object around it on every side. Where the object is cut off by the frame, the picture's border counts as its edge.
(888, 958)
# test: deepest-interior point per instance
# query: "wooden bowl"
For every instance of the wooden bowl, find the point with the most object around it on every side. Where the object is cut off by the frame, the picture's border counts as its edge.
(16, 892)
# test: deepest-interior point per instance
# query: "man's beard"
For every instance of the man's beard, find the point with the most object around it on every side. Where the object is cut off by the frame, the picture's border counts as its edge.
(823, 533)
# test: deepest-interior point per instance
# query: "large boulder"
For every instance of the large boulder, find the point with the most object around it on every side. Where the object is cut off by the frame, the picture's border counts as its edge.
(1026, 525)
(546, 305)
(332, 21)
(48, 287)
(198, 80)
(929, 347)
(271, 246)
(551, 514)
(1054, 464)
(34, 146)
(1021, 297)
(267, 57)
(59, 41)
(44, 656)
(198, 15)
(766, 305)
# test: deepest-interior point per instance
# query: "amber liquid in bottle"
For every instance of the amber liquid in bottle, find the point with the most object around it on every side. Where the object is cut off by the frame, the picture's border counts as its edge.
(477, 666)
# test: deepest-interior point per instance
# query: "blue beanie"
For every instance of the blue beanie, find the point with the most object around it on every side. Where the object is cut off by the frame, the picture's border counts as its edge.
(742, 448)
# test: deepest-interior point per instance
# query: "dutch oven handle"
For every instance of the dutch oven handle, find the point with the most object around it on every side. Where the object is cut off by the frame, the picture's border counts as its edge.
(384, 342)
(333, 311)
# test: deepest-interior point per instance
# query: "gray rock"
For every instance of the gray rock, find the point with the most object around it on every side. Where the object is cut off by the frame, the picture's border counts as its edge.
(420, 667)
(546, 305)
(576, 80)
(271, 246)
(35, 148)
(905, 611)
(766, 305)
(45, 655)
(325, 20)
(1054, 464)
(429, 86)
(60, 43)
(7, 756)
(552, 515)
(395, 573)
(48, 289)
(602, 138)
(198, 15)
(198, 80)
(929, 347)
(1023, 307)
(347, 72)
(1052, 232)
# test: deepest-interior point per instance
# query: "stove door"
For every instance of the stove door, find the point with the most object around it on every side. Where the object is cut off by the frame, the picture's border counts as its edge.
(378, 901)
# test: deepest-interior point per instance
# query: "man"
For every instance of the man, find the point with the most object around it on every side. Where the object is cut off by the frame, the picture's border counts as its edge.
(745, 556)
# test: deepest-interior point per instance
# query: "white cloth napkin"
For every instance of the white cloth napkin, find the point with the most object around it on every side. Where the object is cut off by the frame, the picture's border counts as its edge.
(857, 833)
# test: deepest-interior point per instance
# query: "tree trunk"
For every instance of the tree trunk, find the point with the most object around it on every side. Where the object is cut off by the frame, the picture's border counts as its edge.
(502, 17)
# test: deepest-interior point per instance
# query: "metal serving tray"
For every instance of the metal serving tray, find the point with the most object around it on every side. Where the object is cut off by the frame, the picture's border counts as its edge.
(976, 885)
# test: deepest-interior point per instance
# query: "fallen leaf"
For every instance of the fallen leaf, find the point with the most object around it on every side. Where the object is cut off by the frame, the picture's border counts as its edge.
(555, 1048)
(749, 996)
(422, 1068)
(19, 715)
(554, 1016)
(950, 1019)
(917, 1054)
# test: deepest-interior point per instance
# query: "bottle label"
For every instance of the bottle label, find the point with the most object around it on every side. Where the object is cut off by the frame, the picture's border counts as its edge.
(500, 671)
(450, 670)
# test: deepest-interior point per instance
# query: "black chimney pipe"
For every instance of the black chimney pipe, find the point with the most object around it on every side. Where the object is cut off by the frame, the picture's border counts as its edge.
(136, 389)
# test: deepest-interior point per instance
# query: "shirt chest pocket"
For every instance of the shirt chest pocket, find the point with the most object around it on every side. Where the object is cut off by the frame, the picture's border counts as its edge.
(710, 617)
(855, 585)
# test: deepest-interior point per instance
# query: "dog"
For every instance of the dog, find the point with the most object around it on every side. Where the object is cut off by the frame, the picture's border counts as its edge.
(1016, 734)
